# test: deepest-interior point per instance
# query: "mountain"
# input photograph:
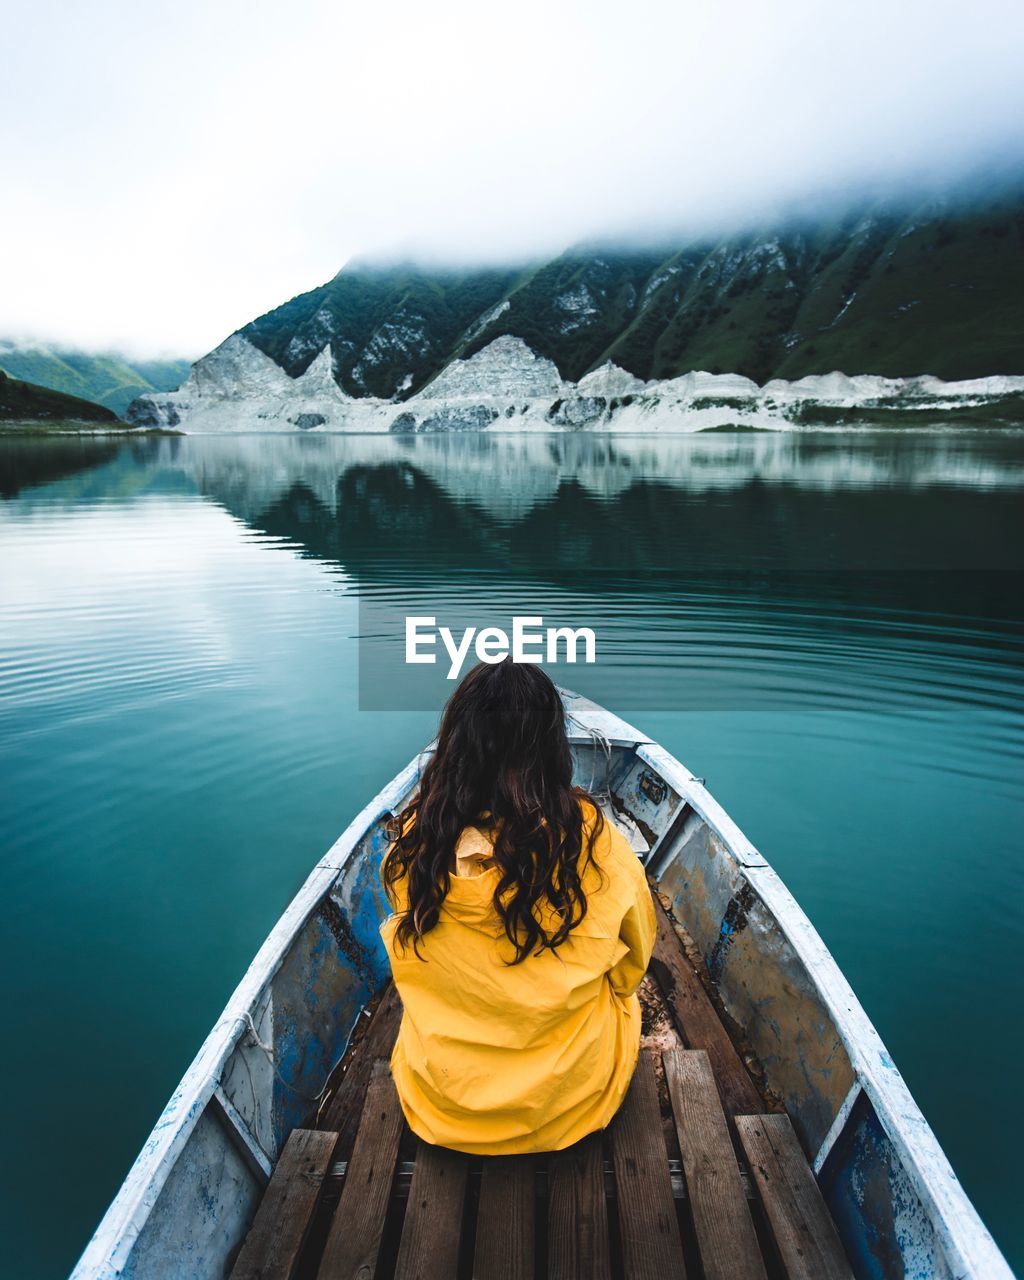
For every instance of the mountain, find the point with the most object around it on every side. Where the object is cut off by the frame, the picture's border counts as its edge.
(390, 329)
(935, 289)
(882, 291)
(109, 379)
(24, 402)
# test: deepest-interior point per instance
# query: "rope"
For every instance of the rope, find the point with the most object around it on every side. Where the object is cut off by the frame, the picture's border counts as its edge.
(268, 1051)
(600, 743)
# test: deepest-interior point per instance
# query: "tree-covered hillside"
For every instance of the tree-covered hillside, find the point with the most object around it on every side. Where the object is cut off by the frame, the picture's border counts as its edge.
(110, 379)
(893, 290)
(24, 402)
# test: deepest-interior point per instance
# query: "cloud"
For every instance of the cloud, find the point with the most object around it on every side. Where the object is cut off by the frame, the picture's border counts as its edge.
(173, 170)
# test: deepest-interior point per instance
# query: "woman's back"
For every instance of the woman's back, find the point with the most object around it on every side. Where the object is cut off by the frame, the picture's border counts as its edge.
(506, 1048)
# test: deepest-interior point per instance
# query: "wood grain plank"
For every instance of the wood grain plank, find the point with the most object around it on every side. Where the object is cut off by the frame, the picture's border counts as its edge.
(505, 1227)
(648, 1227)
(433, 1217)
(342, 1112)
(272, 1247)
(806, 1236)
(353, 1242)
(725, 1230)
(698, 1021)
(578, 1245)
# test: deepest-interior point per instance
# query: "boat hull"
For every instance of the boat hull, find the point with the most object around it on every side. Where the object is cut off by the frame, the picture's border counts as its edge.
(194, 1187)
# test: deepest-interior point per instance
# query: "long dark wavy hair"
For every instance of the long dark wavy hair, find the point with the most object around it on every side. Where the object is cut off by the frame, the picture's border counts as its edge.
(502, 761)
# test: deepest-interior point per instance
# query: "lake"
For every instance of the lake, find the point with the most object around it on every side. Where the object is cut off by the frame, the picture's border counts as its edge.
(829, 627)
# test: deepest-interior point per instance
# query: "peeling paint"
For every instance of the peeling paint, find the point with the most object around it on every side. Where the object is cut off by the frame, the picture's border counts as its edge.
(335, 919)
(882, 1221)
(733, 922)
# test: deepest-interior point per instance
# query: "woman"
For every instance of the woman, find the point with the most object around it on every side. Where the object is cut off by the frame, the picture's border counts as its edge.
(522, 926)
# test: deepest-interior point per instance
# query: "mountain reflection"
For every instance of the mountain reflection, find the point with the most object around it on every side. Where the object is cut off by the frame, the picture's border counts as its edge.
(694, 521)
(894, 518)
(26, 462)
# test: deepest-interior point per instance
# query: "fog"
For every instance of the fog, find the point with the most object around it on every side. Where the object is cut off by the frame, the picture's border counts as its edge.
(171, 171)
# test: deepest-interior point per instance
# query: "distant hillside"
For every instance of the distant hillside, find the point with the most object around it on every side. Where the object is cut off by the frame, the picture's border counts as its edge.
(896, 291)
(24, 402)
(108, 379)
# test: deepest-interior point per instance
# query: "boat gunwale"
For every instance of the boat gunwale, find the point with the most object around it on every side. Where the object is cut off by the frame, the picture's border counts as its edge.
(958, 1227)
(969, 1245)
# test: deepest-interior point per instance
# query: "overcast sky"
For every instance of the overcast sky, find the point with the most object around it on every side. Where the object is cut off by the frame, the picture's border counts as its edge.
(171, 170)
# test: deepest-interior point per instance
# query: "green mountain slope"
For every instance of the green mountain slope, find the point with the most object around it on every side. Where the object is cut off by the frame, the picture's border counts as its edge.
(109, 379)
(24, 402)
(386, 326)
(886, 289)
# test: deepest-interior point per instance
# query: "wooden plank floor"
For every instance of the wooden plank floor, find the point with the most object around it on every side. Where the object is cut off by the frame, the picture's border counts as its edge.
(692, 1178)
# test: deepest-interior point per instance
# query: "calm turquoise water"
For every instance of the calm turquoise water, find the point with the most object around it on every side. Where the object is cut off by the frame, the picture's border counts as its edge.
(830, 628)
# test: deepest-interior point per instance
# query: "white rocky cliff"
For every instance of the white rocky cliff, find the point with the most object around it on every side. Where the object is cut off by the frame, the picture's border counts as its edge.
(508, 387)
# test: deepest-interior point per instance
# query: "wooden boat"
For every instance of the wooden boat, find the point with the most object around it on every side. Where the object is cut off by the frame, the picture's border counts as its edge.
(772, 1135)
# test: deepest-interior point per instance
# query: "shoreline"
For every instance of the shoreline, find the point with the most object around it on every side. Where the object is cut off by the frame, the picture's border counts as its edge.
(955, 424)
(73, 427)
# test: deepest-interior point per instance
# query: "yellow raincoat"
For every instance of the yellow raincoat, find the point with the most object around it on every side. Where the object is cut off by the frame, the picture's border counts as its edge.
(497, 1059)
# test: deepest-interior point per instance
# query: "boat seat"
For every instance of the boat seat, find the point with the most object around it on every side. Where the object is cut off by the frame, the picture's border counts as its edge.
(285, 1215)
(694, 1176)
(804, 1232)
(615, 1204)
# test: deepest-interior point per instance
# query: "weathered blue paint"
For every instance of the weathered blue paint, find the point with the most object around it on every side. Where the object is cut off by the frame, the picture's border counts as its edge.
(317, 994)
(883, 1224)
(733, 922)
(714, 960)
